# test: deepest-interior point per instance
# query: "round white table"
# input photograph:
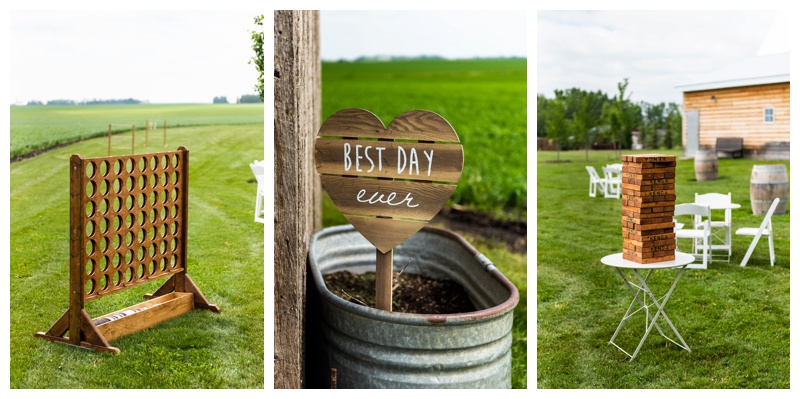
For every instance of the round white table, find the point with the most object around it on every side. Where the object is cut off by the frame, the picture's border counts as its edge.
(619, 264)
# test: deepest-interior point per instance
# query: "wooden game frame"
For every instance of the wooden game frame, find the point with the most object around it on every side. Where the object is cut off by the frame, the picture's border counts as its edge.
(128, 226)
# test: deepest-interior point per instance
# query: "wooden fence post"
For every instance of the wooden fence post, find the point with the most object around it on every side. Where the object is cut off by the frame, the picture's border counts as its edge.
(297, 187)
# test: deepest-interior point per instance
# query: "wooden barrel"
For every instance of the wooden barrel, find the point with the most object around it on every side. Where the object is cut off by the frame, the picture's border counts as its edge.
(705, 165)
(768, 182)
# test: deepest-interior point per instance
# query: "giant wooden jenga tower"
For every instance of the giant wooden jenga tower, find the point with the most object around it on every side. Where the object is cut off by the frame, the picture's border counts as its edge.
(648, 207)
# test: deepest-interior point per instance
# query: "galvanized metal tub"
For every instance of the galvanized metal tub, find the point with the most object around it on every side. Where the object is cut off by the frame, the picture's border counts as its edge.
(372, 348)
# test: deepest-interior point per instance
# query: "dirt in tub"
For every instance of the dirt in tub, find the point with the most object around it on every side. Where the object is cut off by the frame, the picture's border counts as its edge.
(411, 293)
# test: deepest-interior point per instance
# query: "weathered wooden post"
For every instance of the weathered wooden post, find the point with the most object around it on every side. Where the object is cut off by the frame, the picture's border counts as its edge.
(297, 188)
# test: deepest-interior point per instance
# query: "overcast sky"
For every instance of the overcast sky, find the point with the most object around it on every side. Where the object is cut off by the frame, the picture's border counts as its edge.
(656, 50)
(155, 56)
(450, 34)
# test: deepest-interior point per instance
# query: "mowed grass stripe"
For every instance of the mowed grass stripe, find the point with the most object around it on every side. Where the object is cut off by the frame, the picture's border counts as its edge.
(197, 350)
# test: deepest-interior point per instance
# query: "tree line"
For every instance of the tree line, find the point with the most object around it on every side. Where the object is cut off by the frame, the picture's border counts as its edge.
(579, 119)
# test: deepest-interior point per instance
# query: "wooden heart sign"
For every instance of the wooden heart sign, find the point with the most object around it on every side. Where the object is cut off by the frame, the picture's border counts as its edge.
(391, 187)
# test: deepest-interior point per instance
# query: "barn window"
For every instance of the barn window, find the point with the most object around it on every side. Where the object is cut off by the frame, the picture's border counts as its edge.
(769, 115)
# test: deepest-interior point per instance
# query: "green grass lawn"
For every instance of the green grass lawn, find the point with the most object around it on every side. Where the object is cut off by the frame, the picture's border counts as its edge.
(735, 320)
(38, 127)
(484, 100)
(225, 259)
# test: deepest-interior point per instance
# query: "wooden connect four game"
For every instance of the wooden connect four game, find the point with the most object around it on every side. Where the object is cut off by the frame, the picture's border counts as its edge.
(128, 224)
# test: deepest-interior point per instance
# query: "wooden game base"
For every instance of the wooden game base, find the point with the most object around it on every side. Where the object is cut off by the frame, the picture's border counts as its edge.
(98, 332)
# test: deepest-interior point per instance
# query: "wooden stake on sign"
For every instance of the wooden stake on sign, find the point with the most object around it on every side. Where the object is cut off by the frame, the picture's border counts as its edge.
(383, 280)
(414, 178)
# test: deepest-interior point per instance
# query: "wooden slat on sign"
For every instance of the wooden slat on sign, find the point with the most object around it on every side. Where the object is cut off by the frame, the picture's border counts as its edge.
(385, 234)
(431, 162)
(411, 125)
(420, 201)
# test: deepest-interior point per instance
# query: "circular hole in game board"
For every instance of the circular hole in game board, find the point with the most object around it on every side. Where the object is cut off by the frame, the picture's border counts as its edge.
(174, 211)
(163, 214)
(104, 262)
(129, 164)
(173, 244)
(105, 205)
(164, 178)
(142, 164)
(91, 189)
(162, 246)
(153, 180)
(89, 209)
(175, 177)
(118, 184)
(153, 163)
(164, 162)
(141, 270)
(118, 165)
(141, 235)
(173, 261)
(103, 226)
(129, 256)
(90, 247)
(153, 215)
(164, 263)
(129, 183)
(142, 182)
(175, 228)
(129, 274)
(117, 277)
(142, 218)
(153, 249)
(117, 241)
(129, 238)
(153, 198)
(176, 161)
(130, 202)
(117, 222)
(129, 218)
(104, 186)
(141, 200)
(104, 244)
(103, 282)
(140, 254)
(117, 204)
(153, 233)
(90, 286)
(90, 267)
(153, 267)
(162, 230)
(105, 167)
(90, 226)
(90, 169)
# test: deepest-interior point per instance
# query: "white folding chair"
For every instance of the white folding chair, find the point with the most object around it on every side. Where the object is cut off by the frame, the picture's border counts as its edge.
(720, 229)
(613, 182)
(701, 232)
(595, 182)
(764, 229)
(258, 170)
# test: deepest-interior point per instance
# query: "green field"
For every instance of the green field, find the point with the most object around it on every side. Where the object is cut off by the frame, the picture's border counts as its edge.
(734, 319)
(484, 100)
(225, 259)
(34, 128)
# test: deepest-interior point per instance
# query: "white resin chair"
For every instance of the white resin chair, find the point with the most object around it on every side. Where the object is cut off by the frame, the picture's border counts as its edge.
(720, 229)
(258, 170)
(613, 182)
(595, 182)
(700, 234)
(764, 229)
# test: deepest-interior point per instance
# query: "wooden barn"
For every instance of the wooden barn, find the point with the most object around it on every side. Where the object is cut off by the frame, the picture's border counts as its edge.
(748, 100)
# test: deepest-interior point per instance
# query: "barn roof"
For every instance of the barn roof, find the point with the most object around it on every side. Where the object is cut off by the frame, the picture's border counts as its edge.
(766, 69)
